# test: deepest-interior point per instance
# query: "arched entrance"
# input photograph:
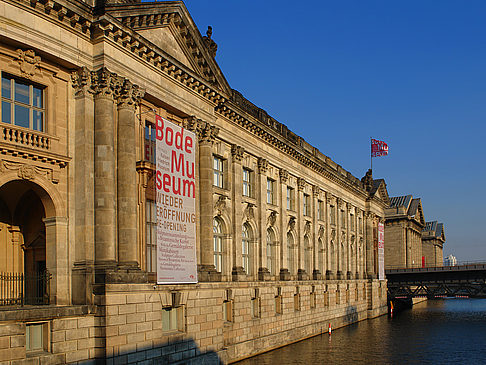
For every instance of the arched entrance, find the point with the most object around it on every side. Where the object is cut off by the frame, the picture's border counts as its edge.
(23, 265)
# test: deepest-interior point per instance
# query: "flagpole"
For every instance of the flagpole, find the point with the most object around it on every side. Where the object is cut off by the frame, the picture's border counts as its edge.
(371, 155)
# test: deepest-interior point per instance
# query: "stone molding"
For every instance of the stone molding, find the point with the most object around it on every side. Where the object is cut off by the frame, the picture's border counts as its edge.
(26, 171)
(284, 176)
(29, 63)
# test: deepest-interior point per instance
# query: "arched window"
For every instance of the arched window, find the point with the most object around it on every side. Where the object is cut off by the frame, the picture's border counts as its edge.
(218, 244)
(270, 254)
(307, 255)
(320, 256)
(245, 247)
(290, 253)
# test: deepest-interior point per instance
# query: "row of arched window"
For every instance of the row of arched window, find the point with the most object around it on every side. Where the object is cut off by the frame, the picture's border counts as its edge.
(247, 237)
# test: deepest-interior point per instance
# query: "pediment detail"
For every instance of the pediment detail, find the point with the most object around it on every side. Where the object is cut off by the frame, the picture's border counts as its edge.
(170, 27)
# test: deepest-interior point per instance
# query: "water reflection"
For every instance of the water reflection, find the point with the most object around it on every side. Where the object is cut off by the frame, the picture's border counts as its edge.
(450, 331)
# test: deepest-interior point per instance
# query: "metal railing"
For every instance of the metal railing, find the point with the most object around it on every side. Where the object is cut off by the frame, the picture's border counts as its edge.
(24, 289)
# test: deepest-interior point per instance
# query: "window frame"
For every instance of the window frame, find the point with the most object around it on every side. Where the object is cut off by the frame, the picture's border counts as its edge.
(30, 106)
(218, 240)
(150, 245)
(247, 188)
(246, 235)
(218, 171)
(270, 191)
(306, 205)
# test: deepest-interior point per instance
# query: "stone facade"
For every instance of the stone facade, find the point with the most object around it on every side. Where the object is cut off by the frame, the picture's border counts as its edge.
(79, 90)
(403, 232)
(433, 239)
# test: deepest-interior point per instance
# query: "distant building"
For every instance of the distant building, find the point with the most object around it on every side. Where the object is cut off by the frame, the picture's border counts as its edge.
(433, 239)
(404, 222)
(450, 260)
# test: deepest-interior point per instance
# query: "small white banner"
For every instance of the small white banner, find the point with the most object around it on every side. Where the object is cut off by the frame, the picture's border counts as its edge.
(176, 203)
(381, 251)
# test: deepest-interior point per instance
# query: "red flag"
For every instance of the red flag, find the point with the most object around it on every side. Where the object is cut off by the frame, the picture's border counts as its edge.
(378, 148)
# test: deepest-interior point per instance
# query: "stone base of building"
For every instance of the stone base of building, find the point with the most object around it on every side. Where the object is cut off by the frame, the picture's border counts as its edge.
(224, 321)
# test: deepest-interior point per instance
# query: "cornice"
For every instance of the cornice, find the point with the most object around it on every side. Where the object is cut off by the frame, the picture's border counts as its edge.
(279, 136)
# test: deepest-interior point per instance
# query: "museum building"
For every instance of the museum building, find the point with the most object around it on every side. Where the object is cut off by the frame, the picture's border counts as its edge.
(286, 239)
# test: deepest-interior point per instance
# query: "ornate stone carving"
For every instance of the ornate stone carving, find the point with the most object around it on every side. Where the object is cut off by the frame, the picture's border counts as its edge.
(333, 234)
(220, 205)
(300, 183)
(237, 152)
(292, 221)
(212, 46)
(367, 180)
(284, 176)
(29, 62)
(129, 95)
(322, 230)
(104, 83)
(248, 213)
(81, 81)
(29, 172)
(307, 227)
(343, 237)
(329, 198)
(262, 165)
(205, 131)
(272, 218)
(316, 190)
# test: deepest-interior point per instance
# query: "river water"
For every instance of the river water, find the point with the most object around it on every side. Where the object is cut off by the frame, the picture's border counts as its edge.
(448, 331)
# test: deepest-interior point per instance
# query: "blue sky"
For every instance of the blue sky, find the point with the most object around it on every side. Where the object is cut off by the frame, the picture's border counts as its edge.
(411, 73)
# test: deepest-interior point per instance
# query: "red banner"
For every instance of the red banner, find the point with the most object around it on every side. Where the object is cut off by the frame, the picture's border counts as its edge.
(378, 148)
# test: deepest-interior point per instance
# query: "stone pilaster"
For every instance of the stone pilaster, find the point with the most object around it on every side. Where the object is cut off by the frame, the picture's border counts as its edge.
(349, 258)
(301, 272)
(206, 134)
(370, 256)
(237, 272)
(284, 270)
(316, 273)
(329, 231)
(260, 253)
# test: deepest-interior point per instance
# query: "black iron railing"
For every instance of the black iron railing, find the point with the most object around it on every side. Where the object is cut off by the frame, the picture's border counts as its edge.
(24, 289)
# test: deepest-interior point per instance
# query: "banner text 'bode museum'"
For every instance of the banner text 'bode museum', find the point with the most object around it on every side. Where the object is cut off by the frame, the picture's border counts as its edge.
(176, 203)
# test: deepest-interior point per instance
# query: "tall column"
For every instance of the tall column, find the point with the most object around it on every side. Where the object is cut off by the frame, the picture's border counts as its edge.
(129, 96)
(206, 134)
(329, 232)
(370, 257)
(316, 273)
(340, 240)
(238, 273)
(263, 273)
(284, 270)
(84, 249)
(104, 84)
(301, 273)
(349, 274)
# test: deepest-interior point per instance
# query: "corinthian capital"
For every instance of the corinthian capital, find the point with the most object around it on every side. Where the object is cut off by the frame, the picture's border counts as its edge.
(262, 165)
(237, 152)
(81, 81)
(300, 183)
(104, 83)
(128, 94)
(284, 176)
(206, 132)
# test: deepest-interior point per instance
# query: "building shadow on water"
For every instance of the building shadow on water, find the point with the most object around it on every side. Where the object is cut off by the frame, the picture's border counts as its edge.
(351, 314)
(177, 353)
